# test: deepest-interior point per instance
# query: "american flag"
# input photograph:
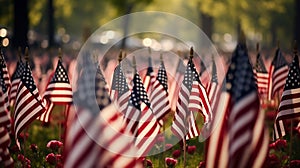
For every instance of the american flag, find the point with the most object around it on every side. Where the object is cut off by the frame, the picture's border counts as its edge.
(5, 158)
(58, 91)
(29, 104)
(243, 108)
(158, 90)
(5, 81)
(5, 120)
(16, 77)
(120, 90)
(175, 86)
(180, 121)
(262, 77)
(289, 106)
(278, 71)
(198, 102)
(97, 139)
(214, 89)
(238, 110)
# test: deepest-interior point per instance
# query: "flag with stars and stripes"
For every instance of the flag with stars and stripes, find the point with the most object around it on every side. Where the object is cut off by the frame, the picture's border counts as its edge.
(180, 121)
(119, 90)
(234, 142)
(16, 77)
(5, 120)
(29, 104)
(158, 91)
(5, 157)
(96, 137)
(198, 102)
(58, 91)
(147, 125)
(289, 106)
(262, 77)
(278, 72)
(5, 81)
(175, 86)
(213, 88)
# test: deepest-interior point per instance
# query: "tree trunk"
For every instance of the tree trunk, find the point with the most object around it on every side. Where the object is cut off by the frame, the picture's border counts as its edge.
(297, 22)
(126, 26)
(21, 24)
(51, 26)
(207, 24)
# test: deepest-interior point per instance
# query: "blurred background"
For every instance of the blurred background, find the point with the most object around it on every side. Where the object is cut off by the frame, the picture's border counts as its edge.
(51, 23)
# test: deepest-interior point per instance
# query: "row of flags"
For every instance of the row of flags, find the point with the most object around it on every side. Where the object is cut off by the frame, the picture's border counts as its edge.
(107, 116)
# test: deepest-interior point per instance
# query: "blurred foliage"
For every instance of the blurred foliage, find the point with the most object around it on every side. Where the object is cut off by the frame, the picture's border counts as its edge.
(264, 20)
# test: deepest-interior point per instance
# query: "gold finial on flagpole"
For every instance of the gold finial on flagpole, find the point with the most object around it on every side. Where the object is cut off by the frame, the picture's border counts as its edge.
(26, 54)
(191, 53)
(161, 57)
(149, 50)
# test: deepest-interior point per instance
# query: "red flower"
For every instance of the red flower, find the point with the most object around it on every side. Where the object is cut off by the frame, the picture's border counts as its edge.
(280, 143)
(176, 153)
(33, 147)
(21, 157)
(147, 163)
(170, 162)
(168, 146)
(295, 163)
(272, 146)
(50, 158)
(15, 149)
(23, 136)
(54, 144)
(201, 165)
(191, 149)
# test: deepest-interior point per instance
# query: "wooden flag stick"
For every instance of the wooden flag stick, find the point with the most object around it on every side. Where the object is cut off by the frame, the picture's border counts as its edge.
(60, 53)
(120, 56)
(134, 64)
(26, 54)
(19, 53)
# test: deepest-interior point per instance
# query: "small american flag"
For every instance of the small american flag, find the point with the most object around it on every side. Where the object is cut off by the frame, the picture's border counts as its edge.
(5, 158)
(16, 77)
(5, 120)
(230, 145)
(120, 90)
(97, 139)
(29, 104)
(58, 91)
(278, 71)
(5, 81)
(180, 121)
(159, 91)
(262, 77)
(289, 106)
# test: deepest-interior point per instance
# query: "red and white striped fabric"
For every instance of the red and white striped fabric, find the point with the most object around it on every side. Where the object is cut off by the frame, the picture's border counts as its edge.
(289, 106)
(262, 77)
(148, 129)
(239, 110)
(58, 91)
(180, 121)
(158, 92)
(97, 138)
(193, 128)
(16, 77)
(175, 85)
(5, 81)
(29, 104)
(278, 72)
(5, 120)
(5, 158)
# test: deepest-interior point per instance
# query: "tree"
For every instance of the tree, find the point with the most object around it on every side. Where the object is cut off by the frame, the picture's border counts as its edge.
(21, 24)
